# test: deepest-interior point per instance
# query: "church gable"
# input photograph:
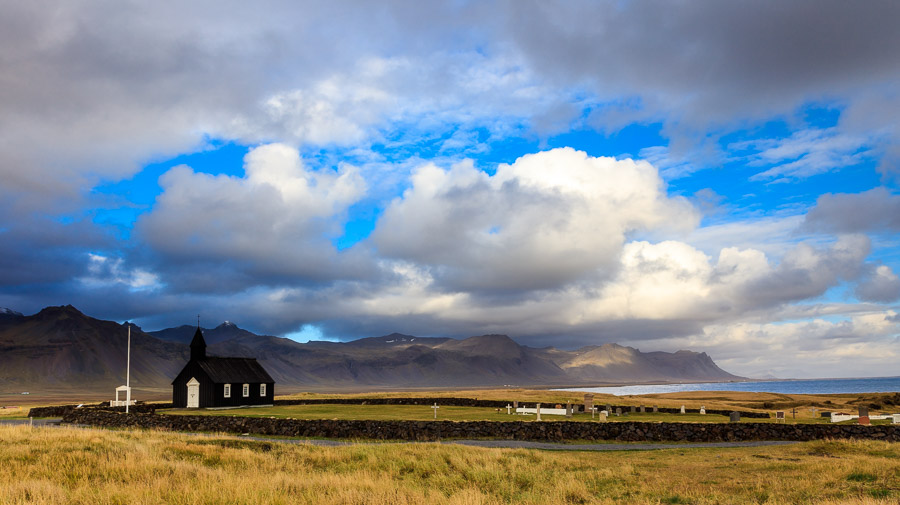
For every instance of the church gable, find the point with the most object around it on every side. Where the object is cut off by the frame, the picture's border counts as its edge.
(221, 382)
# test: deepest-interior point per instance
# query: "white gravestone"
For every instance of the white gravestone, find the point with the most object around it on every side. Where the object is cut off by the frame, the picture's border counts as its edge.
(508, 408)
(538, 411)
(682, 409)
(703, 410)
(435, 407)
(602, 416)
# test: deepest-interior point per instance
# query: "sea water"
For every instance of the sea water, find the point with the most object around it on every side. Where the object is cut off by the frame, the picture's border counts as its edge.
(799, 386)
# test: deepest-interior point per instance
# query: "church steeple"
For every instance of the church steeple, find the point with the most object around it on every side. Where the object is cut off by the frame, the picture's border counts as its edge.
(198, 345)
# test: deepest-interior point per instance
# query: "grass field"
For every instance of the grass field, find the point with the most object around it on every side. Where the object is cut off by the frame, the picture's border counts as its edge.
(425, 413)
(91, 467)
(13, 412)
(725, 400)
(421, 413)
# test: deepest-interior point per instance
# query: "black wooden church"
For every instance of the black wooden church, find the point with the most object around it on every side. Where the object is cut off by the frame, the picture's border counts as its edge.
(208, 381)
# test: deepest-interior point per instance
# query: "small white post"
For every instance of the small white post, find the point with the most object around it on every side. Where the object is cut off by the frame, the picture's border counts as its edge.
(593, 410)
(538, 409)
(30, 422)
(128, 373)
(508, 409)
(435, 407)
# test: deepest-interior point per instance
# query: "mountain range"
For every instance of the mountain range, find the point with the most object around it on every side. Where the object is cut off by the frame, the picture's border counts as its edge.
(60, 346)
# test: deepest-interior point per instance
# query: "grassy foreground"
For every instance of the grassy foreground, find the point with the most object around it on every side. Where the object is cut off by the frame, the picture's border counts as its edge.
(90, 466)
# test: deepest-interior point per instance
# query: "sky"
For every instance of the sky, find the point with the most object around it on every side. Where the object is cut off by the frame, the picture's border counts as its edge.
(716, 176)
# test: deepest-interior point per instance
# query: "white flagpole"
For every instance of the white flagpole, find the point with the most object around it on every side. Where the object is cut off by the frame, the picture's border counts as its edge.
(128, 372)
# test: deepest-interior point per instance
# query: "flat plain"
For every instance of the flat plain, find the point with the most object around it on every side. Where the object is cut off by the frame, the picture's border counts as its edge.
(95, 466)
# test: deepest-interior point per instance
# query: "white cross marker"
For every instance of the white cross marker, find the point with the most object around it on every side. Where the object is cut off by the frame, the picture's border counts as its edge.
(508, 407)
(593, 409)
(435, 407)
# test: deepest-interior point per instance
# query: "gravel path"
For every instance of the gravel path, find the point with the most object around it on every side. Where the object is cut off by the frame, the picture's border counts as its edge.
(44, 421)
(550, 446)
(506, 444)
(541, 446)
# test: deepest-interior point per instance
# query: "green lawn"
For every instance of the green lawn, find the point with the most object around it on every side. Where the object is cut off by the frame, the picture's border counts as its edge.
(425, 413)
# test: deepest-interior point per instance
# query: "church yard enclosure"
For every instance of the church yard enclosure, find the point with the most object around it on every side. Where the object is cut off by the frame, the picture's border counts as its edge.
(634, 427)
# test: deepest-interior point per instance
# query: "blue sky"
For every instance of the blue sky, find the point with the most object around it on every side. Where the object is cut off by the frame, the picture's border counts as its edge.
(710, 176)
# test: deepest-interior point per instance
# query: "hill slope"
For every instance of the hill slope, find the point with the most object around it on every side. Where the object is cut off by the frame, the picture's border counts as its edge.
(60, 346)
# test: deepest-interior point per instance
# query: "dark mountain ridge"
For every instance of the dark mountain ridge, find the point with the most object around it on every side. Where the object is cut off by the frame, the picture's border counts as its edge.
(61, 346)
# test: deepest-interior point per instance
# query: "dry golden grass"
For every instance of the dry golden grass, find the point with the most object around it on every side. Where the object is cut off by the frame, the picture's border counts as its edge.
(878, 402)
(89, 466)
(11, 411)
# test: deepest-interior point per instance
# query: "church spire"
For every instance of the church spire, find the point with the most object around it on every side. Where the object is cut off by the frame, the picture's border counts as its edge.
(198, 345)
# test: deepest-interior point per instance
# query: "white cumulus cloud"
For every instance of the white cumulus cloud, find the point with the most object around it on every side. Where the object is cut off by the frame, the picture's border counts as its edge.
(276, 220)
(544, 221)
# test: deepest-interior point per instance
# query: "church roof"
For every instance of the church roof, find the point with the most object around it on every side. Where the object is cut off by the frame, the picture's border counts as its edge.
(198, 340)
(234, 370)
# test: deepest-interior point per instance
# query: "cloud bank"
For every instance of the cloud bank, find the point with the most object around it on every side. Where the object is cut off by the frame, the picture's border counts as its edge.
(710, 175)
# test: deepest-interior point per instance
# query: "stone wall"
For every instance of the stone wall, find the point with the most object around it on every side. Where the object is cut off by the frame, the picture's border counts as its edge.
(61, 410)
(513, 430)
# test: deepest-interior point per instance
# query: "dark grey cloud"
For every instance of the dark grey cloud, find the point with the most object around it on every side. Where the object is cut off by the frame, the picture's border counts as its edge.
(708, 61)
(875, 210)
(879, 284)
(805, 273)
(39, 251)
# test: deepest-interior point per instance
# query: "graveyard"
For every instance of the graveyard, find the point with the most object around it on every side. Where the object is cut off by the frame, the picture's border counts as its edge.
(425, 413)
(457, 413)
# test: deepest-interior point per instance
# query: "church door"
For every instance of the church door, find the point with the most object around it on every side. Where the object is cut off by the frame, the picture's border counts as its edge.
(193, 397)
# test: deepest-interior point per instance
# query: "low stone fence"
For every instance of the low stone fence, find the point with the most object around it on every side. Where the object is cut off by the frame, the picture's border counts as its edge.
(58, 410)
(513, 430)
(61, 410)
